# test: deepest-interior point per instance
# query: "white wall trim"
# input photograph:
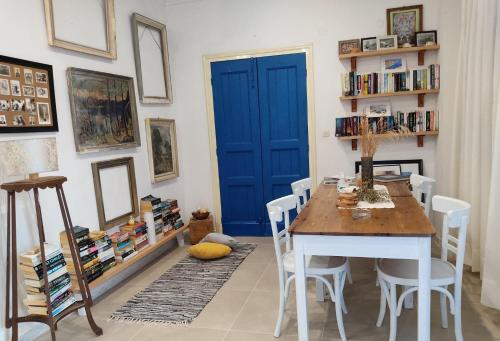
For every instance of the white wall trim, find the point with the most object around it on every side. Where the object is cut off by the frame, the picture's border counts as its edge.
(311, 120)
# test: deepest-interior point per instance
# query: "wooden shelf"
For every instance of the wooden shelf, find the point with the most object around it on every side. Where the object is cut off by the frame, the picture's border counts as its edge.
(119, 267)
(420, 138)
(388, 52)
(392, 94)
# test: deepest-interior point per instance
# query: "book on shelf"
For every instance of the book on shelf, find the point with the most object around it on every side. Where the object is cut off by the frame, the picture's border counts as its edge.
(39, 298)
(33, 257)
(55, 311)
(37, 283)
(418, 78)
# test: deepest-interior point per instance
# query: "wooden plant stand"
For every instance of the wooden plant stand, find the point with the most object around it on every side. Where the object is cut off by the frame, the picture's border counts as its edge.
(12, 321)
(198, 229)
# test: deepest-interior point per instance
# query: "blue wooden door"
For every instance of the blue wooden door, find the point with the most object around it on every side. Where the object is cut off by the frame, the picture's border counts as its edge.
(260, 107)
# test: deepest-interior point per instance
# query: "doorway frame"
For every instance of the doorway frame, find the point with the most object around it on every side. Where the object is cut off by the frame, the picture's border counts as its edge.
(311, 115)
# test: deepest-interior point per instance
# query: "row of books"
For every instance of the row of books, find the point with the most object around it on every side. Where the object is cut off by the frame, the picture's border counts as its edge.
(166, 214)
(171, 215)
(138, 235)
(88, 252)
(105, 250)
(122, 246)
(59, 281)
(419, 78)
(416, 121)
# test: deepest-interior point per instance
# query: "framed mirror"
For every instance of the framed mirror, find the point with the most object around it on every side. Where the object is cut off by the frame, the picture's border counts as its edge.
(68, 26)
(151, 55)
(115, 191)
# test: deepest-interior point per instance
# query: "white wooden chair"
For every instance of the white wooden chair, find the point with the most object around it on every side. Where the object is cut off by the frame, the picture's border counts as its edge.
(422, 185)
(392, 272)
(299, 189)
(317, 267)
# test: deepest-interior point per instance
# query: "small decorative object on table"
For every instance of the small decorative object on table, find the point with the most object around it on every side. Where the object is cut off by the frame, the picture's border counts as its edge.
(201, 214)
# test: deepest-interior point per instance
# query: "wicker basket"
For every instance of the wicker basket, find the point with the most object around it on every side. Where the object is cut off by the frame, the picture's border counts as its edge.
(200, 215)
(198, 229)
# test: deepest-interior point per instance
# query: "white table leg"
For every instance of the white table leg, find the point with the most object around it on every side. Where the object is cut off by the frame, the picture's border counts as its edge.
(424, 292)
(301, 291)
(320, 291)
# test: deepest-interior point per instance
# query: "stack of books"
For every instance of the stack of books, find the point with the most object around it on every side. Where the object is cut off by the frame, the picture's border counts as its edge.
(123, 246)
(154, 205)
(87, 251)
(59, 281)
(105, 250)
(417, 121)
(138, 234)
(349, 126)
(171, 215)
(418, 78)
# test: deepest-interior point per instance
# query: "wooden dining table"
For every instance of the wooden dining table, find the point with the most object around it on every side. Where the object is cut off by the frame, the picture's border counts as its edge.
(402, 232)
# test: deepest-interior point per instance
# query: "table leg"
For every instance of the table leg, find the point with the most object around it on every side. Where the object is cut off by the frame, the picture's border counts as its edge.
(424, 292)
(301, 291)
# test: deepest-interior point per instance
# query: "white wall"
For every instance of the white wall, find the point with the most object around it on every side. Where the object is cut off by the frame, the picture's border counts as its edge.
(29, 41)
(198, 28)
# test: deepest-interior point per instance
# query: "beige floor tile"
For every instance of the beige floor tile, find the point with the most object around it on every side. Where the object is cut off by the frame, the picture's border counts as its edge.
(263, 253)
(247, 336)
(222, 311)
(269, 279)
(245, 277)
(170, 333)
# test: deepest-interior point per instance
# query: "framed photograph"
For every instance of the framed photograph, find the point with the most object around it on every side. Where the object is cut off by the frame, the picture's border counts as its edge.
(378, 110)
(426, 38)
(369, 44)
(151, 60)
(387, 42)
(115, 191)
(347, 46)
(72, 32)
(407, 167)
(18, 93)
(103, 111)
(162, 149)
(393, 64)
(404, 22)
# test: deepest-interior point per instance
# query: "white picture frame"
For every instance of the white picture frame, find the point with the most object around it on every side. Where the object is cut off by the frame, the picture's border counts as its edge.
(378, 109)
(387, 42)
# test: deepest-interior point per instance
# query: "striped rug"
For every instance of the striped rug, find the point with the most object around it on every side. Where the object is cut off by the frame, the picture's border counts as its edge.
(181, 293)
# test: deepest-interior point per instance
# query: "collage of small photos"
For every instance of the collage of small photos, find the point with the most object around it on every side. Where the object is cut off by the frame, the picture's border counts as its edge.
(24, 96)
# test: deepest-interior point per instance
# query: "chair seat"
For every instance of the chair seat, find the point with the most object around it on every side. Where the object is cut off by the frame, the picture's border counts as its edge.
(315, 265)
(405, 271)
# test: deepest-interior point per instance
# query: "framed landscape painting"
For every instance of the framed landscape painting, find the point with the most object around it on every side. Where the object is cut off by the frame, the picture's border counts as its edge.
(103, 110)
(162, 149)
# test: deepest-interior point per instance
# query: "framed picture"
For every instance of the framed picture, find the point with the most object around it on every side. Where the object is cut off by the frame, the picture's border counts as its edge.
(393, 64)
(426, 38)
(404, 22)
(414, 166)
(378, 110)
(19, 102)
(72, 32)
(162, 149)
(387, 42)
(151, 60)
(369, 44)
(347, 46)
(103, 111)
(115, 191)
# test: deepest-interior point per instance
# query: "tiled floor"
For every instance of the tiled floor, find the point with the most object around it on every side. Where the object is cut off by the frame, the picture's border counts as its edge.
(245, 309)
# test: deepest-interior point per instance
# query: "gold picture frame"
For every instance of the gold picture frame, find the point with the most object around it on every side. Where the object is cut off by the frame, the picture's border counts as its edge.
(404, 22)
(157, 39)
(162, 149)
(110, 24)
(115, 191)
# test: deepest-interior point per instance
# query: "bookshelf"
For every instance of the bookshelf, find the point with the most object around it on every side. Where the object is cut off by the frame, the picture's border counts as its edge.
(421, 50)
(142, 254)
(419, 136)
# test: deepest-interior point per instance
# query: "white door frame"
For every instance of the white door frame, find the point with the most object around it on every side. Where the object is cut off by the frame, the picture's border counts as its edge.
(311, 122)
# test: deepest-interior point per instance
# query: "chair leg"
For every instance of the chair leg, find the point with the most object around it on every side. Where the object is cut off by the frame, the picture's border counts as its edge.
(349, 274)
(341, 298)
(383, 304)
(458, 312)
(444, 310)
(408, 300)
(393, 311)
(338, 306)
(281, 313)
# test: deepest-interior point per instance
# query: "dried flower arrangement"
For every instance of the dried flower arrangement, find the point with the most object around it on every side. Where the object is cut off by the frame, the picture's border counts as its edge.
(369, 139)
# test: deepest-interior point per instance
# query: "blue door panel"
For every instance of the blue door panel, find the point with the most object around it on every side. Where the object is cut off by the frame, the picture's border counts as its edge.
(238, 146)
(260, 109)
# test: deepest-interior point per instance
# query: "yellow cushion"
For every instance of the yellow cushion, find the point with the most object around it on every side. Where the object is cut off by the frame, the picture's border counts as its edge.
(209, 250)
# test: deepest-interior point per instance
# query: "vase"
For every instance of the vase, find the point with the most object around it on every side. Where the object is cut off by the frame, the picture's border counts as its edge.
(367, 171)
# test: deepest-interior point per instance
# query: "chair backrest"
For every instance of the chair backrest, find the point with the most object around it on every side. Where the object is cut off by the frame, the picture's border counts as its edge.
(279, 211)
(299, 189)
(422, 185)
(456, 216)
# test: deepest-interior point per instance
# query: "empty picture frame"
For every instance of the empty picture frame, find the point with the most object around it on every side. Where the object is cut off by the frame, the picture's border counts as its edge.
(151, 55)
(115, 191)
(68, 26)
